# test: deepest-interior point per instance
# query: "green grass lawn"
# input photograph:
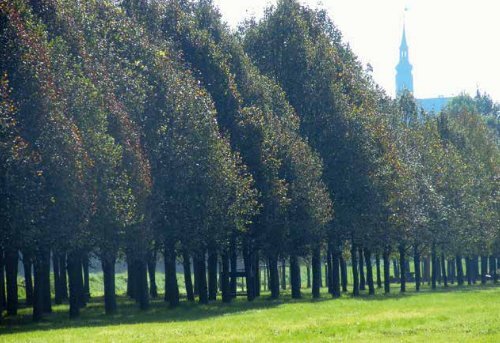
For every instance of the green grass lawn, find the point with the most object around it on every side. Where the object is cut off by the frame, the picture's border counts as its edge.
(453, 315)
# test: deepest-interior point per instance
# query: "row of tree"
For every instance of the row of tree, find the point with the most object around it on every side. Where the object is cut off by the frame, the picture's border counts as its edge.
(135, 127)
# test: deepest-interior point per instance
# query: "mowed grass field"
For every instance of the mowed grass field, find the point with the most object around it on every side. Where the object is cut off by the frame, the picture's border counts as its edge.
(467, 314)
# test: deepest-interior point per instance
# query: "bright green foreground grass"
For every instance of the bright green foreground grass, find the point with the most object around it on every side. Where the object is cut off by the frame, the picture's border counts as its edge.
(468, 314)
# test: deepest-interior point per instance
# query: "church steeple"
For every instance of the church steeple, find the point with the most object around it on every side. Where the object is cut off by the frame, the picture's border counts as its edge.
(404, 77)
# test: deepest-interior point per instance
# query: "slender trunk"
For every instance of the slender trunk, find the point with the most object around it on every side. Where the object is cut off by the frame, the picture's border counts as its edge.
(108, 270)
(172, 296)
(477, 275)
(402, 261)
(308, 274)
(57, 278)
(186, 262)
(328, 270)
(3, 299)
(369, 271)
(248, 260)
(316, 272)
(336, 272)
(295, 276)
(379, 278)
(434, 266)
(451, 271)
(396, 269)
(234, 266)
(28, 280)
(47, 304)
(468, 270)
(201, 276)
(443, 270)
(212, 275)
(11, 262)
(153, 288)
(141, 283)
(387, 269)
(274, 280)
(257, 273)
(460, 270)
(428, 270)
(75, 288)
(484, 269)
(362, 280)
(416, 262)
(86, 277)
(355, 285)
(63, 284)
(130, 278)
(343, 273)
(37, 290)
(225, 286)
(493, 268)
(283, 274)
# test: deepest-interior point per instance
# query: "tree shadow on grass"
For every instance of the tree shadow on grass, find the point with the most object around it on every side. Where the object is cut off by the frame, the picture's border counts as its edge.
(159, 312)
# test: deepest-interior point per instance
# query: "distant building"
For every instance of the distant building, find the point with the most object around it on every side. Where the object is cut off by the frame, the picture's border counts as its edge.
(404, 80)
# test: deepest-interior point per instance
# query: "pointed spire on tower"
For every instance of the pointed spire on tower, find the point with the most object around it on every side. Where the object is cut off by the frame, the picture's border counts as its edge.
(404, 45)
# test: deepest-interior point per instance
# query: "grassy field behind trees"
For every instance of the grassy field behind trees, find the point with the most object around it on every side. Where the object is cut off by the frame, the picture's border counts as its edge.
(132, 130)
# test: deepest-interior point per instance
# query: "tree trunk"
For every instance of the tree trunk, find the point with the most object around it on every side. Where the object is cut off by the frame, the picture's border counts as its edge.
(434, 266)
(108, 270)
(451, 271)
(335, 272)
(379, 278)
(37, 290)
(47, 303)
(484, 269)
(362, 280)
(3, 299)
(141, 284)
(257, 273)
(427, 270)
(75, 288)
(11, 263)
(477, 275)
(274, 280)
(86, 277)
(283, 274)
(387, 270)
(316, 271)
(343, 273)
(369, 271)
(248, 260)
(201, 276)
(57, 278)
(493, 268)
(63, 277)
(171, 286)
(460, 270)
(153, 288)
(402, 262)
(28, 280)
(295, 276)
(397, 275)
(225, 285)
(416, 262)
(131, 278)
(212, 275)
(355, 284)
(468, 270)
(443, 270)
(308, 274)
(328, 270)
(186, 262)
(234, 266)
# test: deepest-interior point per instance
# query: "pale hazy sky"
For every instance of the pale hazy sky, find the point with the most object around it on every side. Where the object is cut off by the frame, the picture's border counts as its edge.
(454, 44)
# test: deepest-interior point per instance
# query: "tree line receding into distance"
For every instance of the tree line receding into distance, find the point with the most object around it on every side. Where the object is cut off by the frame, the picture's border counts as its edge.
(134, 128)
